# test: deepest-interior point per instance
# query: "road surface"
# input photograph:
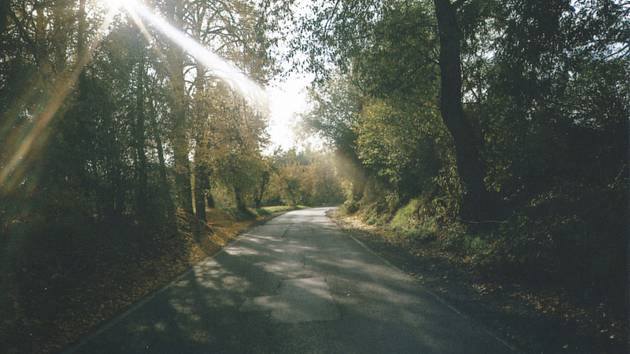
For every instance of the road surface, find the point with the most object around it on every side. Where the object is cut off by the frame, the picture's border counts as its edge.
(296, 284)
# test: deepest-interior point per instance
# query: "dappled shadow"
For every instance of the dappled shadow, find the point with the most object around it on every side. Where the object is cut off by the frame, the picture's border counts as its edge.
(299, 286)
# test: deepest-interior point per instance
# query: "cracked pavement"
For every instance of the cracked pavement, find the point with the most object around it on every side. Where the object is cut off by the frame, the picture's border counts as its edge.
(296, 284)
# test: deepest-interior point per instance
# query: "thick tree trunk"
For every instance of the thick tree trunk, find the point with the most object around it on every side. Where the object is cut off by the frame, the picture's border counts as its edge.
(475, 204)
(182, 164)
(175, 59)
(60, 34)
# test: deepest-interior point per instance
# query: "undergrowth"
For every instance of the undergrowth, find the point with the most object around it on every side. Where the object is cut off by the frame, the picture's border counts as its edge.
(573, 258)
(62, 279)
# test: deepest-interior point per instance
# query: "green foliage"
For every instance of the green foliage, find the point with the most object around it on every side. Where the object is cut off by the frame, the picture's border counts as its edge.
(307, 177)
(397, 146)
(545, 93)
(413, 221)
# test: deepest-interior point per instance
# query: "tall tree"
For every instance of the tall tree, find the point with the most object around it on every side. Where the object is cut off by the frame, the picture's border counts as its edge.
(476, 204)
(140, 135)
(175, 10)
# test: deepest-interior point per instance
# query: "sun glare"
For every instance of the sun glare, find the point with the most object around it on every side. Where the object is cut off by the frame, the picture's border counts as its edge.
(219, 67)
(65, 81)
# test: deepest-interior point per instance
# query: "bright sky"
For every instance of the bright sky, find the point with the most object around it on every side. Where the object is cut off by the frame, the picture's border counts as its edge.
(287, 99)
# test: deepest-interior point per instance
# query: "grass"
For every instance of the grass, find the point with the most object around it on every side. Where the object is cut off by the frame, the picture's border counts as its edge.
(536, 319)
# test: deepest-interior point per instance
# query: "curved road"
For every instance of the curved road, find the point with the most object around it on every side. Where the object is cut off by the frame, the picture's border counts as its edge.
(296, 284)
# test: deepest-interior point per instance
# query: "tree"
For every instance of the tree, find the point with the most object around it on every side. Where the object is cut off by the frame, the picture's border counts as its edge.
(476, 204)
(356, 38)
(140, 136)
(175, 12)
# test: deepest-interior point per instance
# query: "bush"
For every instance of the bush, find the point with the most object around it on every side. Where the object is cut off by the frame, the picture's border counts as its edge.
(350, 207)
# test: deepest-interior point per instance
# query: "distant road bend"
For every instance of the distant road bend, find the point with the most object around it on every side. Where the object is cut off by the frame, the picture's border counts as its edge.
(296, 284)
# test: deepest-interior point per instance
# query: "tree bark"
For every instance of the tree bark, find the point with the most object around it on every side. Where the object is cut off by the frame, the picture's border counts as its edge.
(141, 168)
(166, 190)
(202, 177)
(264, 182)
(475, 203)
(175, 59)
(201, 183)
(62, 24)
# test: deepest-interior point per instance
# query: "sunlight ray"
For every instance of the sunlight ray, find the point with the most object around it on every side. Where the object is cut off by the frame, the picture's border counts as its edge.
(219, 67)
(12, 172)
(138, 22)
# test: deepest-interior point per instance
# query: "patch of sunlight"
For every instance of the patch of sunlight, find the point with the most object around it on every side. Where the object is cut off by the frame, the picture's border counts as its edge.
(241, 251)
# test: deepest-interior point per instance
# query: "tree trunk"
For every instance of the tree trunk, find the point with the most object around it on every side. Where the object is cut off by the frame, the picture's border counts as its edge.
(262, 188)
(60, 33)
(202, 178)
(240, 203)
(175, 59)
(201, 182)
(141, 168)
(166, 190)
(475, 204)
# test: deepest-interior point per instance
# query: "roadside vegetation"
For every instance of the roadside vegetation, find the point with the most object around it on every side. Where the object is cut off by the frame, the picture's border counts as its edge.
(56, 294)
(492, 135)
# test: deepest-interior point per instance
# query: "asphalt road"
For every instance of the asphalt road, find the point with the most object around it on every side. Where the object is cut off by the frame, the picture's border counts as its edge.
(296, 284)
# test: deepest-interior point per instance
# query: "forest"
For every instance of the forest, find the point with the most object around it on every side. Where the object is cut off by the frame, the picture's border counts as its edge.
(495, 132)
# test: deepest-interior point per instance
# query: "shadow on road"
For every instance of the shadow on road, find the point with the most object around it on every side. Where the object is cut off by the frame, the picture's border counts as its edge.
(295, 284)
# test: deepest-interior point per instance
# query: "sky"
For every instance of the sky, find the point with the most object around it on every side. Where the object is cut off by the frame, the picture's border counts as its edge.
(287, 99)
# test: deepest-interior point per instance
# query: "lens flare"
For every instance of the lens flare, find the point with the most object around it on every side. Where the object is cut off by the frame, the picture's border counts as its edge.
(24, 151)
(15, 167)
(219, 67)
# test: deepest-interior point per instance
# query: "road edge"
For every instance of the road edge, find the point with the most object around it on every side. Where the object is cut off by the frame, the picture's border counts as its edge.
(423, 288)
(109, 323)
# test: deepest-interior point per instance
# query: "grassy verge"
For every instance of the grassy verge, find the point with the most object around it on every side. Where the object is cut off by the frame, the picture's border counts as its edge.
(60, 297)
(533, 320)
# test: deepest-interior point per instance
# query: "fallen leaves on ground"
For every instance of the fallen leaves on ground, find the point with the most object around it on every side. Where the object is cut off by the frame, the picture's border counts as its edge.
(109, 286)
(537, 319)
